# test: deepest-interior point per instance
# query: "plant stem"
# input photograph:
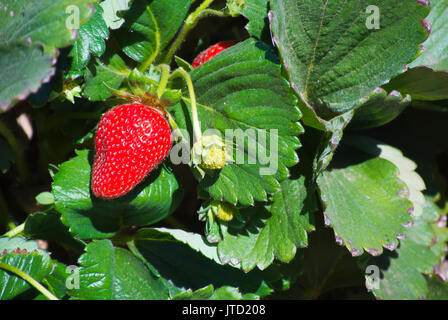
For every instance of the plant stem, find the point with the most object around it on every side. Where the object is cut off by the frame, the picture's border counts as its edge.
(180, 72)
(29, 279)
(165, 69)
(17, 230)
(189, 24)
(18, 151)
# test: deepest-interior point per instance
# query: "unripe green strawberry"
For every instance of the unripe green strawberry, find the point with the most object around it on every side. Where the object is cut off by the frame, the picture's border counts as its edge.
(131, 140)
(211, 153)
(215, 159)
(223, 211)
(212, 51)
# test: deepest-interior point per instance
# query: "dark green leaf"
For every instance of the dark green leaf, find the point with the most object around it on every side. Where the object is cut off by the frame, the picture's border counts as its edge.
(25, 67)
(365, 193)
(149, 26)
(25, 256)
(49, 227)
(169, 258)
(421, 83)
(435, 55)
(111, 70)
(402, 271)
(378, 109)
(334, 53)
(256, 11)
(271, 232)
(209, 293)
(242, 92)
(109, 273)
(91, 40)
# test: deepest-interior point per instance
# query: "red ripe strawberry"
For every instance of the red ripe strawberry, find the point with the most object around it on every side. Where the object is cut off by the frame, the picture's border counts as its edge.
(212, 51)
(131, 140)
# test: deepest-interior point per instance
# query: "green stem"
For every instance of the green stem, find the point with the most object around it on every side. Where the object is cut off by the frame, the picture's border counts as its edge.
(165, 69)
(30, 280)
(18, 151)
(180, 72)
(17, 230)
(189, 24)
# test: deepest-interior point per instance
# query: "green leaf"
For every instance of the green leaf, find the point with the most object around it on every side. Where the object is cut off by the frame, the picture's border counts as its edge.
(431, 134)
(406, 168)
(91, 40)
(330, 140)
(110, 70)
(365, 200)
(25, 26)
(109, 273)
(25, 68)
(45, 198)
(6, 155)
(421, 83)
(8, 245)
(437, 290)
(435, 55)
(401, 271)
(110, 10)
(23, 255)
(168, 258)
(379, 108)
(256, 11)
(241, 91)
(209, 293)
(333, 54)
(271, 232)
(55, 281)
(89, 217)
(149, 27)
(49, 227)
(33, 19)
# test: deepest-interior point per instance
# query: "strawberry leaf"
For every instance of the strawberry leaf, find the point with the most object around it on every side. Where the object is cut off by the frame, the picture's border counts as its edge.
(369, 183)
(241, 91)
(435, 55)
(270, 232)
(109, 273)
(49, 227)
(23, 255)
(149, 26)
(110, 10)
(25, 67)
(89, 217)
(256, 11)
(209, 293)
(401, 272)
(421, 83)
(91, 40)
(168, 253)
(378, 108)
(110, 70)
(32, 20)
(335, 54)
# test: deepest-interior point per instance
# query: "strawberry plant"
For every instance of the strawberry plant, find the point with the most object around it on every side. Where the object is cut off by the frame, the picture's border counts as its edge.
(239, 149)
